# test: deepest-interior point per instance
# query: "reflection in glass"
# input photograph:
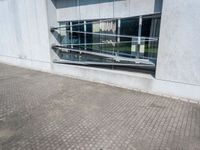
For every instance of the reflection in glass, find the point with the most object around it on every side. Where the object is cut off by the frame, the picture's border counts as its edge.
(116, 41)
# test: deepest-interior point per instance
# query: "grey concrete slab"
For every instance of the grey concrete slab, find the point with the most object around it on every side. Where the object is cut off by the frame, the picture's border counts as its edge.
(178, 54)
(44, 111)
(98, 9)
(24, 30)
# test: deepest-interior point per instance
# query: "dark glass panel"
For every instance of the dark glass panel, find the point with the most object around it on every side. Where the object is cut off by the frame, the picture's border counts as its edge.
(78, 35)
(89, 38)
(151, 28)
(129, 26)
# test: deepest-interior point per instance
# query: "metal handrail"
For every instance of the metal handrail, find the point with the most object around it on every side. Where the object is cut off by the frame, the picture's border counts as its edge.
(114, 35)
(115, 57)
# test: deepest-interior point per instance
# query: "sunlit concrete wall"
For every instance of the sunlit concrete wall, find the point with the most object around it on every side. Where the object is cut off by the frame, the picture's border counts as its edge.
(179, 50)
(96, 9)
(24, 38)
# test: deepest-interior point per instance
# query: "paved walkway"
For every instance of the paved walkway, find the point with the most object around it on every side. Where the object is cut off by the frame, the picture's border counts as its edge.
(40, 111)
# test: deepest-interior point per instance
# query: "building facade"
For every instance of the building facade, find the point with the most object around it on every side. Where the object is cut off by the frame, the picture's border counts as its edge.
(146, 45)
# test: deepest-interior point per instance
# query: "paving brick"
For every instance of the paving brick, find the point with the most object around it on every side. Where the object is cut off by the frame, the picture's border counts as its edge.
(44, 111)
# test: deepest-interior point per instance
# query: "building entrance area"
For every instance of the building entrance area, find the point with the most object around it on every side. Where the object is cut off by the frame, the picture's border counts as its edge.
(120, 43)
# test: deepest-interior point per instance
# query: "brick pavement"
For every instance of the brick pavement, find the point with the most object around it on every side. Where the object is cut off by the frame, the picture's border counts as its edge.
(41, 111)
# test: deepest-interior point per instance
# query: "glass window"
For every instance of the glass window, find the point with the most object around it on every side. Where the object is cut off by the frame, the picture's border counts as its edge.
(150, 29)
(129, 26)
(64, 34)
(127, 47)
(89, 37)
(78, 34)
(113, 42)
(108, 28)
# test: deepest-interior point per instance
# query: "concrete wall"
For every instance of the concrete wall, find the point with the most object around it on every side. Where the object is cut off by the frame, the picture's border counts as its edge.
(179, 52)
(52, 22)
(24, 34)
(95, 9)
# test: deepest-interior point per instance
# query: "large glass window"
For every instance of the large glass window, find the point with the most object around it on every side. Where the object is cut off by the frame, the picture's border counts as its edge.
(123, 42)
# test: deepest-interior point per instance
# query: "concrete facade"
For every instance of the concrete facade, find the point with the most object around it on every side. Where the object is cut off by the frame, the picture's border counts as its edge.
(178, 55)
(96, 9)
(26, 41)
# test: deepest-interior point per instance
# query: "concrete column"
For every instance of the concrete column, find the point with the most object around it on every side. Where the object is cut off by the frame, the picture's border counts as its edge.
(178, 53)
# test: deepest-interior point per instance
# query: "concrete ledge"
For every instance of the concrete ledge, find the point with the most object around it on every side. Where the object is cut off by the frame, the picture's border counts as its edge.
(26, 63)
(129, 80)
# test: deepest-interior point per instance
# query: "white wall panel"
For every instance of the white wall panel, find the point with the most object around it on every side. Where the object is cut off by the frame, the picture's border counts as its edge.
(106, 9)
(141, 7)
(24, 28)
(67, 10)
(89, 9)
(122, 8)
(96, 9)
(179, 53)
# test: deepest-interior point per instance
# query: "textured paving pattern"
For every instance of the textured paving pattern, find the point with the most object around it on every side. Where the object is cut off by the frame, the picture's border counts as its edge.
(40, 111)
